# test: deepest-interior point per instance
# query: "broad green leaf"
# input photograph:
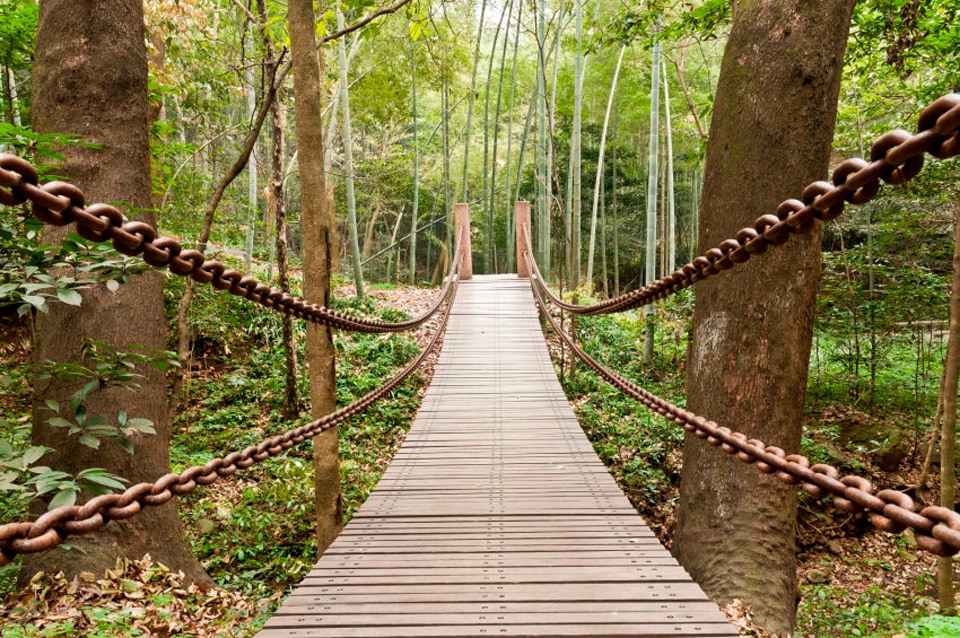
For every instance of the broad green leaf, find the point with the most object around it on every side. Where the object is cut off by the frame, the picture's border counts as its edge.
(102, 477)
(66, 496)
(70, 297)
(33, 455)
(125, 444)
(37, 302)
(90, 441)
(59, 422)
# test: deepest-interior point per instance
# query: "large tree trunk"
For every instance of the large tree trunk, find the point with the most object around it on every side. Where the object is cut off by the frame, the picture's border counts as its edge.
(81, 85)
(771, 135)
(317, 255)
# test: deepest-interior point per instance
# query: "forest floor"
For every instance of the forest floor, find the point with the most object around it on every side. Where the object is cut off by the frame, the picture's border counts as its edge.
(854, 580)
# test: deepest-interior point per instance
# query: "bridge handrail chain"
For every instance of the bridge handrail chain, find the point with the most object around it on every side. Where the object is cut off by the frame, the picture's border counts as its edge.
(936, 529)
(895, 158)
(61, 203)
(53, 527)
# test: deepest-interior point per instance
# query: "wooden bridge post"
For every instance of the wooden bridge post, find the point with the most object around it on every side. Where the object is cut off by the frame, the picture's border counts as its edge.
(461, 216)
(522, 215)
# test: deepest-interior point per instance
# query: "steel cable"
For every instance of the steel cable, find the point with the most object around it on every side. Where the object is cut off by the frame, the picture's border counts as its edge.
(54, 526)
(937, 529)
(60, 204)
(896, 157)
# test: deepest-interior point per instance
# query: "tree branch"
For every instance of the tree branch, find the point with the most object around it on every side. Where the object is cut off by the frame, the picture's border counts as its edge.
(364, 22)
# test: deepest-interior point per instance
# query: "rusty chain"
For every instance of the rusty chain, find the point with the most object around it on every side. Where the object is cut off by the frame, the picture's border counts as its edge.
(60, 203)
(896, 157)
(937, 529)
(53, 527)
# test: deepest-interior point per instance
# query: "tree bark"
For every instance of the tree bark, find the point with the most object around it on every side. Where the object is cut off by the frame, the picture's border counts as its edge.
(290, 408)
(771, 135)
(948, 433)
(82, 86)
(317, 254)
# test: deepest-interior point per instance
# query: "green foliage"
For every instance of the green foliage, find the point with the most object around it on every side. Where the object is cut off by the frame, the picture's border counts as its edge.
(260, 535)
(262, 539)
(875, 613)
(23, 479)
(935, 627)
(640, 448)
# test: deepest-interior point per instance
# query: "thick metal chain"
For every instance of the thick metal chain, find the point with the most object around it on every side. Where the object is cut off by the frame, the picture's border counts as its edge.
(53, 527)
(937, 529)
(60, 203)
(895, 158)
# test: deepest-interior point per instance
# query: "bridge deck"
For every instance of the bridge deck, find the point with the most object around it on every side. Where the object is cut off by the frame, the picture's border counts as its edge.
(496, 518)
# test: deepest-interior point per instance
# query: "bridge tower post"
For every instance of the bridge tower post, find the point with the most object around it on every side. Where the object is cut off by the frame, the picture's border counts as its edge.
(522, 216)
(461, 219)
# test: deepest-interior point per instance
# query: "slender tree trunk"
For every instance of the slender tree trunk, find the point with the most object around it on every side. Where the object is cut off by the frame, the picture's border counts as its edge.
(447, 190)
(948, 433)
(492, 197)
(603, 238)
(599, 179)
(487, 202)
(650, 273)
(464, 194)
(511, 230)
(671, 209)
(348, 161)
(206, 225)
(290, 407)
(613, 206)
(575, 141)
(774, 115)
(253, 212)
(318, 226)
(543, 200)
(416, 171)
(103, 98)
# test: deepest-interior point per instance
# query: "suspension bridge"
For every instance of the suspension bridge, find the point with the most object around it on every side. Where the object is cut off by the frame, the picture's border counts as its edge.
(496, 517)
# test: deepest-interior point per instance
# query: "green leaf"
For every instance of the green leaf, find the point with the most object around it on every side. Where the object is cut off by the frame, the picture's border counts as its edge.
(59, 422)
(112, 285)
(141, 425)
(69, 296)
(66, 496)
(125, 444)
(102, 477)
(33, 455)
(52, 405)
(90, 441)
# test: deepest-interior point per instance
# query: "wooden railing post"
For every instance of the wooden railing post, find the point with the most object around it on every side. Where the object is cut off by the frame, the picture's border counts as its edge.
(522, 215)
(461, 216)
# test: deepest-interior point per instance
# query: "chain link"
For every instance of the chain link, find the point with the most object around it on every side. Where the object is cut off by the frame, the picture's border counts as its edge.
(60, 203)
(895, 158)
(937, 529)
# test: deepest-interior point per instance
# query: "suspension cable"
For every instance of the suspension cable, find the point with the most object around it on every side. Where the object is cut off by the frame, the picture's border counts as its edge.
(937, 529)
(896, 157)
(53, 527)
(60, 203)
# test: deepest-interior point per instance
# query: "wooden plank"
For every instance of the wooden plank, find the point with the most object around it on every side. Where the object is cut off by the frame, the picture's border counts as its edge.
(496, 517)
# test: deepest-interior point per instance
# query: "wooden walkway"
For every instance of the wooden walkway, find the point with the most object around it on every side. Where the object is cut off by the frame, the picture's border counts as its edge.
(496, 518)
